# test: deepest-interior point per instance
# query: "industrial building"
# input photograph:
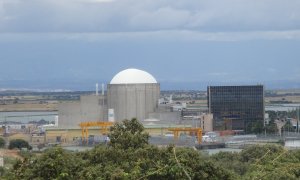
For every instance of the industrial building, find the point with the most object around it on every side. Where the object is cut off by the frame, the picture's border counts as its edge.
(131, 93)
(236, 107)
(89, 108)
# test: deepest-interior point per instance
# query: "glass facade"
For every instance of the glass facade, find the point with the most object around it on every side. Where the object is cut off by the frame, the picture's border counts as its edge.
(236, 107)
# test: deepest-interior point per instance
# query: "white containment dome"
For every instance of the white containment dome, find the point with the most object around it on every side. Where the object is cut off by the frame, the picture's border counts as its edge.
(133, 93)
(133, 76)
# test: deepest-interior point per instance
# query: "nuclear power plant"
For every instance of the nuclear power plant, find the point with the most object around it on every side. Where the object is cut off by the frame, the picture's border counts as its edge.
(134, 93)
(131, 93)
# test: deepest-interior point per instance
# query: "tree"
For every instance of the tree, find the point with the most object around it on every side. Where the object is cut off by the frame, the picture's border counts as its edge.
(55, 163)
(129, 156)
(271, 128)
(257, 127)
(288, 126)
(128, 134)
(231, 161)
(272, 162)
(19, 143)
(2, 143)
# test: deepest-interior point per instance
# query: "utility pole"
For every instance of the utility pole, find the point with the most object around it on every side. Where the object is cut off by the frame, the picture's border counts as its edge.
(298, 120)
(265, 125)
(265, 129)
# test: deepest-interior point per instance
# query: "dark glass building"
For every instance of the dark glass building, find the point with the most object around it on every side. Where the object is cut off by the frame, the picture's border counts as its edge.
(236, 107)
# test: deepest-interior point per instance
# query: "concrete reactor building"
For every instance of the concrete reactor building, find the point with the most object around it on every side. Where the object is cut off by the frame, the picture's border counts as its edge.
(133, 93)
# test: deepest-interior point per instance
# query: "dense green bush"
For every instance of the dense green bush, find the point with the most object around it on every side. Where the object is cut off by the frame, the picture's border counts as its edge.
(128, 134)
(19, 144)
(2, 143)
(231, 161)
(55, 163)
(129, 156)
(261, 162)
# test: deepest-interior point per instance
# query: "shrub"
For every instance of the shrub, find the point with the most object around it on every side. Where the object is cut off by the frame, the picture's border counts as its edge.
(2, 143)
(19, 143)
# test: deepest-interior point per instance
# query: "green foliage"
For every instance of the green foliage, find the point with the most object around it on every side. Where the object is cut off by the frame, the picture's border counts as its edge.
(128, 134)
(256, 127)
(282, 164)
(257, 153)
(129, 156)
(19, 144)
(282, 114)
(231, 161)
(55, 163)
(8, 164)
(2, 143)
(288, 126)
(2, 171)
(262, 162)
(150, 163)
(271, 128)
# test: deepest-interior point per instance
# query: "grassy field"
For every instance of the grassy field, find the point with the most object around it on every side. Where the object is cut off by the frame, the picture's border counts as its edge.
(28, 107)
(289, 98)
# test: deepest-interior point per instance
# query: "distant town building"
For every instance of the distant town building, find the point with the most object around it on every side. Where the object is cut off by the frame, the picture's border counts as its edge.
(236, 107)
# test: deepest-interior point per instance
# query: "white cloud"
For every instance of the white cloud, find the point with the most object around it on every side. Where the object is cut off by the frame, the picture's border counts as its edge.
(193, 19)
(163, 18)
(165, 35)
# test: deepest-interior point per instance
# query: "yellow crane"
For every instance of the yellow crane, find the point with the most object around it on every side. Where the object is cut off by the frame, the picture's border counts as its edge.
(197, 131)
(104, 127)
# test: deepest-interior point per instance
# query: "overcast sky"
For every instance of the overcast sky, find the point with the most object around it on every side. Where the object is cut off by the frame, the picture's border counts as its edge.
(191, 43)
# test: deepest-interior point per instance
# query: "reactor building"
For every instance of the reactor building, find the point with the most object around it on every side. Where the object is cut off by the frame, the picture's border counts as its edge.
(132, 93)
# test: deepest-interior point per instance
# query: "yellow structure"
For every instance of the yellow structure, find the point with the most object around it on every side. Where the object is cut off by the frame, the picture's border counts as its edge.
(85, 129)
(197, 131)
(104, 126)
